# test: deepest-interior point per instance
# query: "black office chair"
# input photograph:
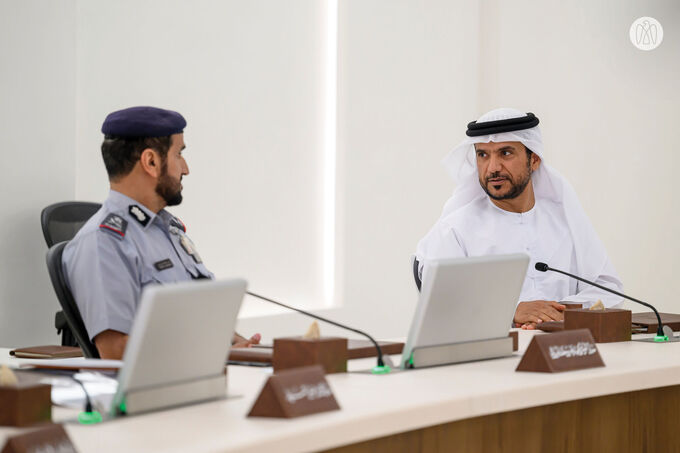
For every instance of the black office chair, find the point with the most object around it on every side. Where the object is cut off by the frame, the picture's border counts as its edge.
(416, 277)
(60, 222)
(68, 304)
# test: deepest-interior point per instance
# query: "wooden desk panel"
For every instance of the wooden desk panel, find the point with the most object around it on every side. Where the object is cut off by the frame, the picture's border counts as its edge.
(641, 421)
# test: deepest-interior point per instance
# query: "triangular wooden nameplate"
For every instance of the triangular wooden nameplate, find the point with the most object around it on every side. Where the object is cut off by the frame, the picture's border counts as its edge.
(267, 404)
(561, 351)
(48, 438)
(295, 392)
(533, 359)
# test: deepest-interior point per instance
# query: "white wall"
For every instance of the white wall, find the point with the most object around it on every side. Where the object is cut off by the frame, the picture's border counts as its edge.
(249, 77)
(37, 120)
(399, 78)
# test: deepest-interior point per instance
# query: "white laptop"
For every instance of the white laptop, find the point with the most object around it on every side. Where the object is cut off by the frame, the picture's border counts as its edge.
(466, 300)
(178, 345)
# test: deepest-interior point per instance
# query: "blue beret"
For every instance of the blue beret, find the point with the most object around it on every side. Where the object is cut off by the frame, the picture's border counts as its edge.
(143, 122)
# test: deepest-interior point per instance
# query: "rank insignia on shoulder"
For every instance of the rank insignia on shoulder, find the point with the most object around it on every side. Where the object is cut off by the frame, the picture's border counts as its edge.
(178, 223)
(114, 223)
(139, 214)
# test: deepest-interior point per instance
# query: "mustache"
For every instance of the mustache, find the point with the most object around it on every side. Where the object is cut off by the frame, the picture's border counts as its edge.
(497, 175)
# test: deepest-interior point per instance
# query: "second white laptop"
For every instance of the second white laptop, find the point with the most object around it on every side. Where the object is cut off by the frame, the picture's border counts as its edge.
(178, 345)
(466, 299)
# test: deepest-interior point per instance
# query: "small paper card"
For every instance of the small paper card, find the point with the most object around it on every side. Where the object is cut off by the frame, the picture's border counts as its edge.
(561, 351)
(50, 438)
(295, 392)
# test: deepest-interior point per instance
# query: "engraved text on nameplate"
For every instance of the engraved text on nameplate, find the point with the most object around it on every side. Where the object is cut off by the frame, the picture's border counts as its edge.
(295, 392)
(561, 351)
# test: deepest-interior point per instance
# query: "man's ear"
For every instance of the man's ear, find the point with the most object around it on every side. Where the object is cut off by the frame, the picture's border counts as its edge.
(150, 162)
(535, 161)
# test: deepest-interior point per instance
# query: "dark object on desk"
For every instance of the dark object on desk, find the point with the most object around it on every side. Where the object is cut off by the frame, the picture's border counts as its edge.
(607, 326)
(60, 222)
(25, 404)
(48, 438)
(295, 352)
(356, 349)
(649, 322)
(551, 326)
(47, 352)
(68, 303)
(561, 351)
(515, 340)
(361, 349)
(571, 305)
(296, 392)
(261, 355)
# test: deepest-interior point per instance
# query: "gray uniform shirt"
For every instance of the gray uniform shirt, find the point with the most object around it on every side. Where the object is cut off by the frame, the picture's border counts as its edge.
(119, 251)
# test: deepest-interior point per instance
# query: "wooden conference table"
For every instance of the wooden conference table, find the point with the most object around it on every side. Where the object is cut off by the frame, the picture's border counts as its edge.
(632, 404)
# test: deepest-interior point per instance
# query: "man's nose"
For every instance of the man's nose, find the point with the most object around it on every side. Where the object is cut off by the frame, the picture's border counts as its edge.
(494, 164)
(185, 168)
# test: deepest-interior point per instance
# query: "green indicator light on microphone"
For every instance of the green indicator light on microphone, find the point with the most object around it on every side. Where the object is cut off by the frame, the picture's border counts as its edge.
(381, 369)
(660, 338)
(89, 418)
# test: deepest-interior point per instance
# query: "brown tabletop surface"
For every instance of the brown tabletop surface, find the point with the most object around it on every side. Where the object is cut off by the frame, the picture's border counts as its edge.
(357, 349)
(642, 323)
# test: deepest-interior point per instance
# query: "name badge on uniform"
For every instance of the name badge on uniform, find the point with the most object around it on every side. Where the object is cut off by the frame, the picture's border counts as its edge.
(189, 247)
(164, 264)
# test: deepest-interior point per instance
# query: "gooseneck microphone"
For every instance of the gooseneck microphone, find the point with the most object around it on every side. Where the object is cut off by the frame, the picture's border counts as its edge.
(381, 368)
(660, 336)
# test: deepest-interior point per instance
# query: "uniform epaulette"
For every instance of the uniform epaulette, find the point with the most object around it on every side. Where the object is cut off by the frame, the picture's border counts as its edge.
(115, 224)
(178, 223)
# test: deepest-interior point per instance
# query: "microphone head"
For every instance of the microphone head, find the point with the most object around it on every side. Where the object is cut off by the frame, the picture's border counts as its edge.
(541, 267)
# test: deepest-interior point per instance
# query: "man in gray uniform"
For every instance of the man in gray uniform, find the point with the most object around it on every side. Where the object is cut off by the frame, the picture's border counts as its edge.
(132, 241)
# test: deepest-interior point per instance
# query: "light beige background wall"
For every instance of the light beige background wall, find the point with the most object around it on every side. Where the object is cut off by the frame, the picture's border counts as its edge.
(248, 76)
(37, 149)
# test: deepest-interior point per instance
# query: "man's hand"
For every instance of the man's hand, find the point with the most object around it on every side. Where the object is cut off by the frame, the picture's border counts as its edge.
(240, 342)
(528, 314)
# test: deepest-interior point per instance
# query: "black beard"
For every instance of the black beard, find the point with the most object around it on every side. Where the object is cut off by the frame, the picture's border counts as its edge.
(168, 189)
(514, 192)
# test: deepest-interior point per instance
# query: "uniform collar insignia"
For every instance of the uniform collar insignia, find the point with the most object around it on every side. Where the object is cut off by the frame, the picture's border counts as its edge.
(138, 214)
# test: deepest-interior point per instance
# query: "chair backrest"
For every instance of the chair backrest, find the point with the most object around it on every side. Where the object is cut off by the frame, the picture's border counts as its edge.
(66, 300)
(61, 221)
(416, 275)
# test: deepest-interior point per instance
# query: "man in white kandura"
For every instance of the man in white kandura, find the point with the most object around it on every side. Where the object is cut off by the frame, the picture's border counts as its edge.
(508, 200)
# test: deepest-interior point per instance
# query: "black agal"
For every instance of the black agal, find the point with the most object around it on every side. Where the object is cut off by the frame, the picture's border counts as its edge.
(476, 129)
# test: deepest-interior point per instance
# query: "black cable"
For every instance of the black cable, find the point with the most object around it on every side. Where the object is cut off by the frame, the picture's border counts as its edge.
(320, 318)
(88, 402)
